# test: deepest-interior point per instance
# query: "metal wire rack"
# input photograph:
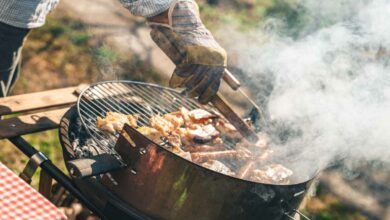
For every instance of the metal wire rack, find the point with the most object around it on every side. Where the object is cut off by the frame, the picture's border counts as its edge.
(126, 97)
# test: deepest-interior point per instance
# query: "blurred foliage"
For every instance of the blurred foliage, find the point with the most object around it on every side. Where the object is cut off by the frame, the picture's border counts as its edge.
(247, 14)
(325, 206)
(59, 53)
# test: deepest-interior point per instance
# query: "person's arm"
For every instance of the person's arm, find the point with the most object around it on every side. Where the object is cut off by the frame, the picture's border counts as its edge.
(180, 33)
(146, 8)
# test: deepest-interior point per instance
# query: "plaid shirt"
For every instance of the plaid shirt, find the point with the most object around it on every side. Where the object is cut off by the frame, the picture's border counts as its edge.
(32, 13)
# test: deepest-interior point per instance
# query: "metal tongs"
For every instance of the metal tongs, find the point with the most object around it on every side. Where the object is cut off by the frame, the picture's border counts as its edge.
(176, 55)
(220, 103)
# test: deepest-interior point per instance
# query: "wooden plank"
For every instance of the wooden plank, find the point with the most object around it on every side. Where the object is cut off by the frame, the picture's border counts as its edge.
(31, 123)
(39, 100)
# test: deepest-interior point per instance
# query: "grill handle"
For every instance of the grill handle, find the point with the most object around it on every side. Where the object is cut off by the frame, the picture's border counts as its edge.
(231, 80)
(257, 112)
(93, 166)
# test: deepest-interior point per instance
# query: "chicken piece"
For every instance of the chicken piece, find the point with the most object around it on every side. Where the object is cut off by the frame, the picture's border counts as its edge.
(217, 141)
(180, 152)
(227, 129)
(272, 174)
(133, 119)
(188, 142)
(181, 132)
(184, 114)
(174, 140)
(184, 137)
(151, 133)
(186, 155)
(175, 118)
(218, 166)
(105, 125)
(210, 130)
(201, 116)
(203, 134)
(162, 125)
(114, 121)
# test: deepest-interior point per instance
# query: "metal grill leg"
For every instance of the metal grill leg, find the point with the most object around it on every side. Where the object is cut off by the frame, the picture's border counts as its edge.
(32, 166)
(45, 183)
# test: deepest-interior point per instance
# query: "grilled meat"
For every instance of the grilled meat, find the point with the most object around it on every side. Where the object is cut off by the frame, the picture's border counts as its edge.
(203, 134)
(262, 143)
(227, 129)
(244, 153)
(151, 133)
(273, 173)
(114, 121)
(183, 154)
(161, 124)
(199, 157)
(206, 148)
(245, 171)
(174, 140)
(218, 167)
(201, 116)
(184, 114)
(175, 118)
(207, 139)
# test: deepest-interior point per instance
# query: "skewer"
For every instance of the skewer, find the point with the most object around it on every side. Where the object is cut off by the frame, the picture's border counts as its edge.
(246, 170)
(206, 148)
(200, 157)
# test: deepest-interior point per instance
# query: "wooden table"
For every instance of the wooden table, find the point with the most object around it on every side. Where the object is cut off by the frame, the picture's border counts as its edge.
(35, 112)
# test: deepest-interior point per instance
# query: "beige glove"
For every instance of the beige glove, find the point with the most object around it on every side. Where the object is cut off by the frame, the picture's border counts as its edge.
(200, 60)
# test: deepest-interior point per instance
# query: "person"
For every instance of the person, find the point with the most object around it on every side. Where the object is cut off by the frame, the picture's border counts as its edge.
(176, 27)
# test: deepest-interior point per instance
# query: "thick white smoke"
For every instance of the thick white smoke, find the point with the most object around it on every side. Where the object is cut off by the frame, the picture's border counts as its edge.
(330, 79)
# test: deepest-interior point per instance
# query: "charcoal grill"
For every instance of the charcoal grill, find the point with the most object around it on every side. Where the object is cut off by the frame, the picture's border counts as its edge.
(150, 181)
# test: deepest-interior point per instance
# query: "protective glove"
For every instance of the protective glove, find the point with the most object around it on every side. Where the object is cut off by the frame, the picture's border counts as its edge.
(200, 60)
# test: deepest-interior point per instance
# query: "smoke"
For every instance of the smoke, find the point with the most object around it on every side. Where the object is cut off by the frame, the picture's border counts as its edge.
(327, 80)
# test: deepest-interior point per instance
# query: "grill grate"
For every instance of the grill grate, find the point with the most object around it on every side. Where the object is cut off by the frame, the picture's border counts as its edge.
(127, 97)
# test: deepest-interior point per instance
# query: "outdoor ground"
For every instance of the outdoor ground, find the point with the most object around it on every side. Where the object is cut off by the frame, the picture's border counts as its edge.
(98, 40)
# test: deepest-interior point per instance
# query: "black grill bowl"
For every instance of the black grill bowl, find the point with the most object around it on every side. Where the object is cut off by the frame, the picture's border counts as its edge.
(176, 188)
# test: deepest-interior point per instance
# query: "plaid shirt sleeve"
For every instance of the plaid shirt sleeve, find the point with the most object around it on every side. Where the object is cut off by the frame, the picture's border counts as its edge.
(25, 13)
(32, 13)
(146, 8)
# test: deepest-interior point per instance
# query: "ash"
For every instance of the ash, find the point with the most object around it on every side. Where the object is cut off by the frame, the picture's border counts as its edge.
(83, 145)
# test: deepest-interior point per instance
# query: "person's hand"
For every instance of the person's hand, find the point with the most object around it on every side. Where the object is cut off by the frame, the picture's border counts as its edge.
(200, 60)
